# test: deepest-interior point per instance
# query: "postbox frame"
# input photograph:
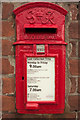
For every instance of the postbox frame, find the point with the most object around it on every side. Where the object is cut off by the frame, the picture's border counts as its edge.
(21, 55)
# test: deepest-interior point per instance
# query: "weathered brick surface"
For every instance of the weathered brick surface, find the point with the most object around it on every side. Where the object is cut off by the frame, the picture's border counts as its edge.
(6, 115)
(74, 11)
(7, 50)
(8, 103)
(78, 16)
(73, 48)
(74, 65)
(79, 115)
(79, 49)
(0, 40)
(8, 85)
(0, 65)
(73, 30)
(79, 102)
(0, 86)
(73, 85)
(7, 9)
(0, 103)
(72, 71)
(73, 102)
(6, 67)
(66, 115)
(7, 29)
(79, 85)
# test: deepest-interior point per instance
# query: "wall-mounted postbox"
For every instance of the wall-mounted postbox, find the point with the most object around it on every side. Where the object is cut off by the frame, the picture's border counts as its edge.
(40, 58)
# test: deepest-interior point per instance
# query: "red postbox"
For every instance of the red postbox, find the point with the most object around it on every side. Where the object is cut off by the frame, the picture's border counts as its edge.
(40, 58)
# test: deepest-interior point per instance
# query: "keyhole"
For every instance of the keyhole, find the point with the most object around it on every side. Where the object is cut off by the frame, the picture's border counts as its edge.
(22, 78)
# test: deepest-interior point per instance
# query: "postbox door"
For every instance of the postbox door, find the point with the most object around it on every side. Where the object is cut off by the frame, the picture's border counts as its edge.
(41, 79)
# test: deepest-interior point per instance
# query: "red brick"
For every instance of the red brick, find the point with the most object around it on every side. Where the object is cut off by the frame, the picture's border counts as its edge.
(72, 48)
(8, 103)
(0, 30)
(74, 11)
(79, 85)
(0, 65)
(7, 29)
(6, 67)
(7, 9)
(0, 103)
(79, 102)
(73, 85)
(0, 85)
(8, 115)
(78, 16)
(8, 85)
(27, 116)
(65, 115)
(7, 47)
(73, 30)
(74, 66)
(78, 115)
(79, 49)
(73, 102)
(0, 46)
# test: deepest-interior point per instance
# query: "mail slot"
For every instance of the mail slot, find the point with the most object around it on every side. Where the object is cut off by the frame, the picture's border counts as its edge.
(40, 58)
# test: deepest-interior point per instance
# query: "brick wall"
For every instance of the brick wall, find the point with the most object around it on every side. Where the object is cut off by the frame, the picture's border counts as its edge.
(72, 89)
